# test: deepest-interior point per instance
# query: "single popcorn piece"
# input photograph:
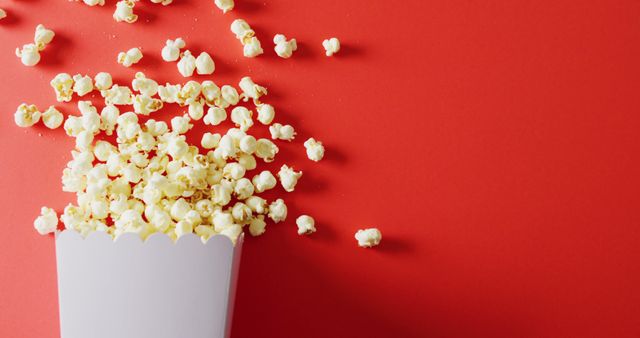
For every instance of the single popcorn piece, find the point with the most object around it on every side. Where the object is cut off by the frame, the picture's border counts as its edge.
(205, 64)
(225, 5)
(368, 238)
(257, 226)
(264, 181)
(187, 64)
(118, 95)
(266, 113)
(124, 11)
(266, 150)
(331, 46)
(171, 50)
(280, 132)
(289, 178)
(93, 2)
(26, 115)
(163, 2)
(284, 48)
(82, 85)
(130, 57)
(241, 116)
(315, 149)
(43, 37)
(215, 116)
(210, 141)
(47, 222)
(306, 225)
(29, 55)
(103, 81)
(246, 35)
(63, 86)
(250, 90)
(52, 118)
(3, 14)
(278, 211)
(144, 85)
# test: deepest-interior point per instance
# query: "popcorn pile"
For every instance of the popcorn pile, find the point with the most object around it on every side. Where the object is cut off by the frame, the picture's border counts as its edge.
(29, 54)
(152, 180)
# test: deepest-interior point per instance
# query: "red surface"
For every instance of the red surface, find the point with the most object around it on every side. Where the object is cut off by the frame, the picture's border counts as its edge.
(494, 143)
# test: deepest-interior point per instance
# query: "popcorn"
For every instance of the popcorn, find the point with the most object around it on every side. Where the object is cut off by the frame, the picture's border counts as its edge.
(163, 2)
(144, 85)
(284, 48)
(243, 189)
(124, 11)
(43, 37)
(205, 64)
(171, 50)
(47, 222)
(63, 86)
(315, 149)
(257, 226)
(241, 116)
(93, 2)
(130, 57)
(246, 35)
(118, 95)
(248, 144)
(187, 64)
(210, 92)
(229, 96)
(306, 225)
(210, 141)
(196, 111)
(52, 118)
(215, 116)
(169, 93)
(331, 46)
(29, 55)
(288, 178)
(264, 181)
(224, 5)
(250, 90)
(103, 81)
(266, 150)
(266, 113)
(277, 211)
(26, 115)
(180, 124)
(368, 238)
(82, 85)
(280, 132)
(145, 104)
(3, 14)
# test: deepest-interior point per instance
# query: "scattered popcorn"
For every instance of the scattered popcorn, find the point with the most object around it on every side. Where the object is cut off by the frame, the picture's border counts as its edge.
(47, 222)
(130, 57)
(368, 238)
(29, 55)
(63, 86)
(289, 178)
(284, 48)
(82, 85)
(250, 90)
(26, 115)
(103, 81)
(52, 118)
(124, 11)
(205, 64)
(246, 35)
(331, 46)
(266, 113)
(278, 211)
(306, 225)
(224, 5)
(187, 64)
(171, 51)
(43, 37)
(315, 149)
(280, 132)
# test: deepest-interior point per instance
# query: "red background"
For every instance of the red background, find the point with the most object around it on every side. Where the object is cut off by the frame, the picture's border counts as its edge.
(494, 143)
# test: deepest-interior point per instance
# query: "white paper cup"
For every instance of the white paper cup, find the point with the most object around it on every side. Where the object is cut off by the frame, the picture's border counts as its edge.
(153, 289)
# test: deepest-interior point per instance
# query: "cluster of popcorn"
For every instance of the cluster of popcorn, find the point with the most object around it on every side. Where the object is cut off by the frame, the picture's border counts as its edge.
(152, 180)
(246, 35)
(29, 54)
(188, 64)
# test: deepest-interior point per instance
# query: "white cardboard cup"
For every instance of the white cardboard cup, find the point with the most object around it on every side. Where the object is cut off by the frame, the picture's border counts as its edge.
(153, 289)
